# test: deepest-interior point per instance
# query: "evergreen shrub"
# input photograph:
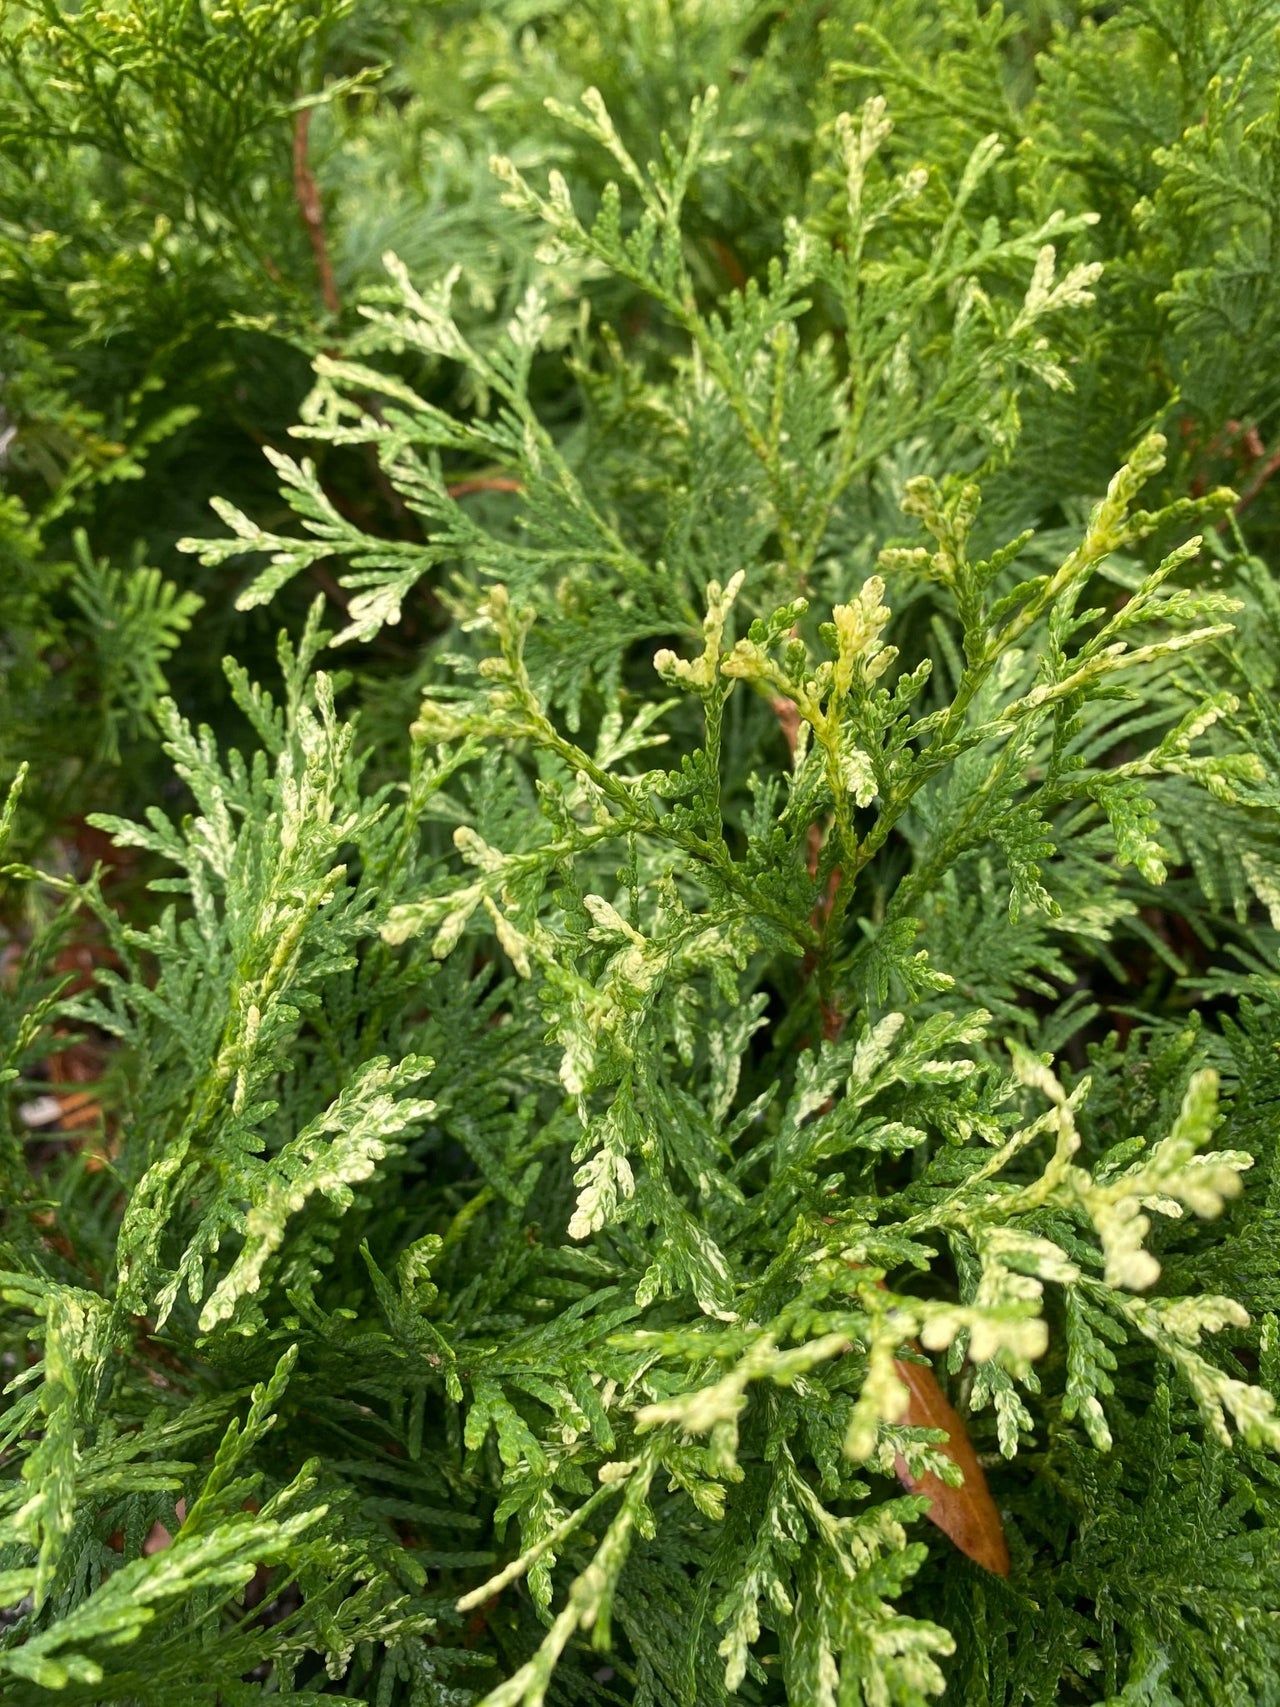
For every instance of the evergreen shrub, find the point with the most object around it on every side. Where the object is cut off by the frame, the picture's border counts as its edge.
(663, 1090)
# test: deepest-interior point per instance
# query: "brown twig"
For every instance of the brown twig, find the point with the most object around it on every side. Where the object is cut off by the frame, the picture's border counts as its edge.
(1258, 480)
(77, 1063)
(967, 1515)
(330, 586)
(1244, 444)
(730, 262)
(484, 483)
(307, 192)
(833, 1021)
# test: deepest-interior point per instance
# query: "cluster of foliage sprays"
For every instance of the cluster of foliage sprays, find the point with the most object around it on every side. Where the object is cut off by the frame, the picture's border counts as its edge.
(718, 1001)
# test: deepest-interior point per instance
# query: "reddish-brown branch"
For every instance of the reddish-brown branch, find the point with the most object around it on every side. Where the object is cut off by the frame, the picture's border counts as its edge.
(330, 586)
(730, 262)
(1244, 445)
(967, 1515)
(76, 1065)
(307, 192)
(484, 483)
(833, 1021)
(1258, 480)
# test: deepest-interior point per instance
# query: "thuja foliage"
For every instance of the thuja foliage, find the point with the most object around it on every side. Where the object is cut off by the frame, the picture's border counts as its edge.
(752, 865)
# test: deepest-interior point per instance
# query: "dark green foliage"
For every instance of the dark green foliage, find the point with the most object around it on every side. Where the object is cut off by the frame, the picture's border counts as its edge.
(756, 850)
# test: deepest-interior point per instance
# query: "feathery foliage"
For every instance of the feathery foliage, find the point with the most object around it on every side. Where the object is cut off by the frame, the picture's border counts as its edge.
(749, 880)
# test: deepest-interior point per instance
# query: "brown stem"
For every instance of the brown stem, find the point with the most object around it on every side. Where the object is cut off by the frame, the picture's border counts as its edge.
(967, 1515)
(833, 1021)
(330, 586)
(730, 262)
(484, 483)
(1258, 480)
(307, 192)
(1245, 442)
